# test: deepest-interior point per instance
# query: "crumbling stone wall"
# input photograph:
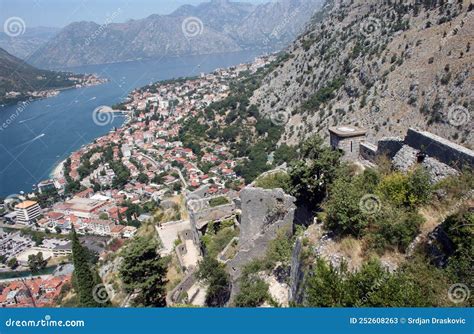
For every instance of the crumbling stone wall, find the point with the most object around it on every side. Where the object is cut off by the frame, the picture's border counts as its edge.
(188, 281)
(440, 149)
(368, 151)
(201, 218)
(264, 213)
(440, 157)
(389, 146)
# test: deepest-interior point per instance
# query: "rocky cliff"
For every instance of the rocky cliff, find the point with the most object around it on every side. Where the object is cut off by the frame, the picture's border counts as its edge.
(383, 65)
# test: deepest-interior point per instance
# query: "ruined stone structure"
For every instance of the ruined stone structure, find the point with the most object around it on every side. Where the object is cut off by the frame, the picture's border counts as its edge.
(439, 156)
(200, 218)
(177, 294)
(264, 213)
(296, 273)
(347, 139)
(200, 211)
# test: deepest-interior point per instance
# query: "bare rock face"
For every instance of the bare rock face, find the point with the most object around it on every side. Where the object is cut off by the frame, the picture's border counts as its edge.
(382, 65)
(264, 213)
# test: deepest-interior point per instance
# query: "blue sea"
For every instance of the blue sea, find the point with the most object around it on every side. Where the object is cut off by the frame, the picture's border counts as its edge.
(40, 134)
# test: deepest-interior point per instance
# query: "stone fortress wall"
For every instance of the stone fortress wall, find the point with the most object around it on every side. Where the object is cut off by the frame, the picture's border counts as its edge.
(264, 213)
(439, 156)
(441, 149)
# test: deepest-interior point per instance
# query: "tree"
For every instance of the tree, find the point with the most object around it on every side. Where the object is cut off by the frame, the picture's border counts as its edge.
(144, 271)
(84, 279)
(409, 190)
(142, 178)
(326, 286)
(253, 293)
(315, 170)
(285, 153)
(344, 214)
(419, 188)
(398, 228)
(12, 263)
(36, 262)
(214, 275)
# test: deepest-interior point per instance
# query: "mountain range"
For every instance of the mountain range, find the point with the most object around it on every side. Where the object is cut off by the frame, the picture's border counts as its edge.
(211, 27)
(24, 45)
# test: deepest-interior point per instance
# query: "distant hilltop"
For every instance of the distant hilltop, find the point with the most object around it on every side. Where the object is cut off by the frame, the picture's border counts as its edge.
(20, 81)
(211, 27)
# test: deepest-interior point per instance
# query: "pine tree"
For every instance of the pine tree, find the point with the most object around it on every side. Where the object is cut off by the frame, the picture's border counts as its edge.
(83, 278)
(144, 271)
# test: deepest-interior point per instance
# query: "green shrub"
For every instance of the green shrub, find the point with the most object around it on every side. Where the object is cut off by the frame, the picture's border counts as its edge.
(217, 201)
(253, 293)
(274, 180)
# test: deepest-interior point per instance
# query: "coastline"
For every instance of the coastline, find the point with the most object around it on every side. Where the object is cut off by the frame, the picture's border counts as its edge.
(54, 92)
(58, 170)
(107, 96)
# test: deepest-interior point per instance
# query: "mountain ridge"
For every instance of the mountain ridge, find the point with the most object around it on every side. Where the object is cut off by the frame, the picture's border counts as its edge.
(220, 26)
(20, 81)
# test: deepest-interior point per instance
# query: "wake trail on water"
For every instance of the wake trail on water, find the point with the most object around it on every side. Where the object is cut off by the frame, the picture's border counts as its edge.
(28, 119)
(31, 140)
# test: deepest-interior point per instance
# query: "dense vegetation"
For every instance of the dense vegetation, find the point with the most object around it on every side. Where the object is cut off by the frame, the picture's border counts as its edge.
(214, 275)
(374, 286)
(382, 208)
(85, 276)
(143, 273)
(417, 282)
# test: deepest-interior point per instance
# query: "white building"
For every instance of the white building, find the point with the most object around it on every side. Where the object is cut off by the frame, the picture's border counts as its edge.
(27, 212)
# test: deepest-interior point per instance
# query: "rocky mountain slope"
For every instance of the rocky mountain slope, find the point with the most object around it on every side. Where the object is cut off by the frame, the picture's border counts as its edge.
(24, 45)
(216, 26)
(384, 65)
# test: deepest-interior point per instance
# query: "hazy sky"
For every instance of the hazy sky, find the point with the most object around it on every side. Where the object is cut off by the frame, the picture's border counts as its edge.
(58, 13)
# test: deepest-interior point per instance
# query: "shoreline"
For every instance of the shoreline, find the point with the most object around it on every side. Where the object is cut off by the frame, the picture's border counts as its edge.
(56, 92)
(58, 170)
